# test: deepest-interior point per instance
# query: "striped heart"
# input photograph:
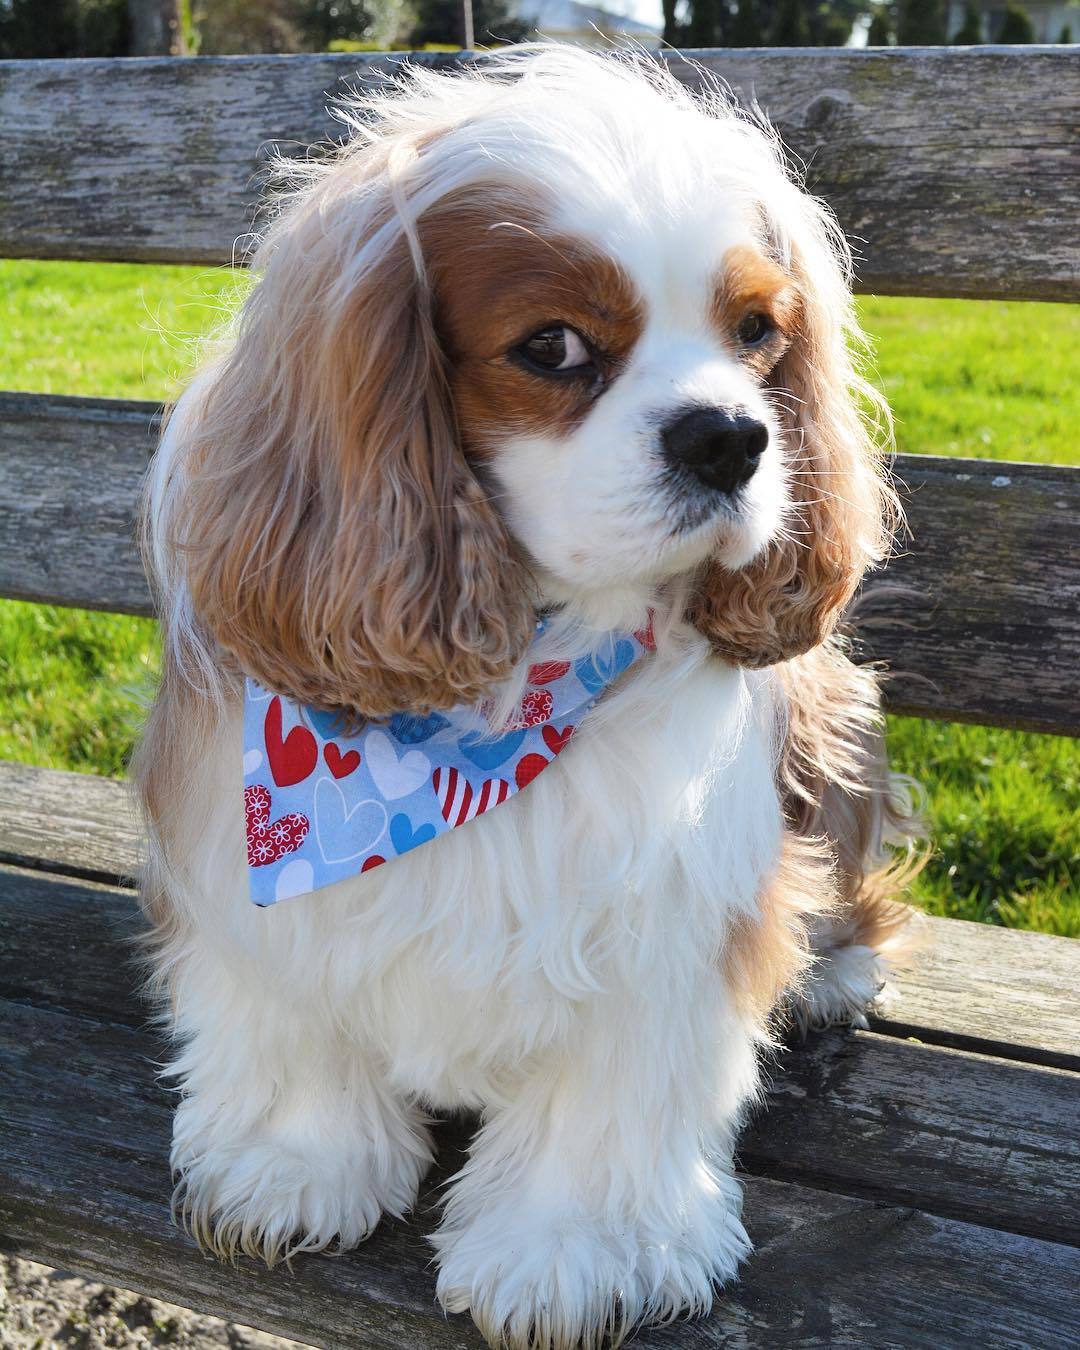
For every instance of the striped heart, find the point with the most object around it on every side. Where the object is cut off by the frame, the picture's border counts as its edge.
(457, 799)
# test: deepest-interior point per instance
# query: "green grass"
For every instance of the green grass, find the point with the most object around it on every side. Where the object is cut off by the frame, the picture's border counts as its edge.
(991, 380)
(73, 685)
(1004, 810)
(106, 329)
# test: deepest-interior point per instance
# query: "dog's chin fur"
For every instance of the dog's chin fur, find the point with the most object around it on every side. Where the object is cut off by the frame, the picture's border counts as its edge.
(594, 966)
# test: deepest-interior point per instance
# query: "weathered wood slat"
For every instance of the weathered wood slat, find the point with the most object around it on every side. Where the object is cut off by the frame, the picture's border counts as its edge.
(75, 824)
(995, 636)
(962, 1135)
(70, 472)
(841, 1112)
(997, 991)
(84, 1139)
(991, 632)
(70, 946)
(949, 168)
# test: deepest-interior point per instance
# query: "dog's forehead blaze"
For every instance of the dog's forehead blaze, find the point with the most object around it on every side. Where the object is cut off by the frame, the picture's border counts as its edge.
(750, 282)
(499, 274)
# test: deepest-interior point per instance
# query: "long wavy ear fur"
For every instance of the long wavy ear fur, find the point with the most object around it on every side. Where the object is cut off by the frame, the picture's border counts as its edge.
(790, 598)
(317, 509)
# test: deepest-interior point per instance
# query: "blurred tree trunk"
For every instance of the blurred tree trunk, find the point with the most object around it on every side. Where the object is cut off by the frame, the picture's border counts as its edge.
(671, 32)
(155, 28)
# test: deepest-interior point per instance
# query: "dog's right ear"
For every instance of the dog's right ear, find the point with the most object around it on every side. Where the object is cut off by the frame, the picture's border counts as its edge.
(315, 505)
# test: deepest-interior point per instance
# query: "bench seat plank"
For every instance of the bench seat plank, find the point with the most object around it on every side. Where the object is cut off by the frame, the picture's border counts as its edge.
(993, 990)
(945, 166)
(998, 991)
(76, 824)
(992, 636)
(84, 1136)
(963, 1135)
(842, 1109)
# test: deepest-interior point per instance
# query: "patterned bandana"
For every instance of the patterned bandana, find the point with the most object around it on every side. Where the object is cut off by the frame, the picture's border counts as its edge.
(322, 805)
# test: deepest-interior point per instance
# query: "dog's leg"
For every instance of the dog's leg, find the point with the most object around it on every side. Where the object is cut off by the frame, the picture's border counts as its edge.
(835, 776)
(601, 1192)
(287, 1137)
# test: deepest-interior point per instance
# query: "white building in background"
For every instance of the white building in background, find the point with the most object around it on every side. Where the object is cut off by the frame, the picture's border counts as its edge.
(1048, 17)
(590, 25)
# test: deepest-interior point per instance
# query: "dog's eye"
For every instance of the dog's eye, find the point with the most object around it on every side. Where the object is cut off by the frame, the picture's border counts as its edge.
(554, 348)
(753, 330)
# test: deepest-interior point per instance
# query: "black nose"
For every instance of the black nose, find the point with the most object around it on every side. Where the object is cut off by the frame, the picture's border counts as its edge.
(721, 449)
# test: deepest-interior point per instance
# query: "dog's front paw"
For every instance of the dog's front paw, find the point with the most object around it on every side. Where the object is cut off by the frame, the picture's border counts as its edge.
(259, 1197)
(534, 1279)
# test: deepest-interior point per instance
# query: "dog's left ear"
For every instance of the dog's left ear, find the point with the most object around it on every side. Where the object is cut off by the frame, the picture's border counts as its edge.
(791, 597)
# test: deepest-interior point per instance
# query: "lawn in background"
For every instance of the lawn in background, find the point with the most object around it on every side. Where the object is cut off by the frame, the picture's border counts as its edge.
(991, 380)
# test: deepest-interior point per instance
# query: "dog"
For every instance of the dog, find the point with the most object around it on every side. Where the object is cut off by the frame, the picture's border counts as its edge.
(547, 375)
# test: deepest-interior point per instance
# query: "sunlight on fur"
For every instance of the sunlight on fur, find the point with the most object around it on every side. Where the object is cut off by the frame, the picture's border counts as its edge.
(550, 336)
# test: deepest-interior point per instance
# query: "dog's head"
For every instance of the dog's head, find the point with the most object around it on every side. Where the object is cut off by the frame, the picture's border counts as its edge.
(550, 332)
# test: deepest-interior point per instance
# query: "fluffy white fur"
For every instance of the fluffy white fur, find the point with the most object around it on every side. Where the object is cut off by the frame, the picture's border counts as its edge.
(550, 969)
(557, 965)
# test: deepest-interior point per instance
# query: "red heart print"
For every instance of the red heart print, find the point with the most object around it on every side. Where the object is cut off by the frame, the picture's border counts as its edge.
(459, 801)
(340, 765)
(528, 767)
(547, 671)
(646, 636)
(374, 861)
(268, 840)
(291, 759)
(555, 740)
(535, 708)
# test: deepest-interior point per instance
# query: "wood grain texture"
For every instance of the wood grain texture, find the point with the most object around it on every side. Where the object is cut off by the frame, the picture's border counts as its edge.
(70, 473)
(991, 629)
(75, 824)
(990, 633)
(70, 946)
(961, 1135)
(998, 991)
(949, 169)
(84, 1134)
(843, 1111)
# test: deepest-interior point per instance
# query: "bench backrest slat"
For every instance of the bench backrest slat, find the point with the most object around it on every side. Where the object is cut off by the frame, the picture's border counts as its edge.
(993, 635)
(946, 167)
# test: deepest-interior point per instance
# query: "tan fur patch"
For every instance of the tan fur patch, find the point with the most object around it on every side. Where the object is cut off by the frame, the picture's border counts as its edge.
(751, 283)
(767, 956)
(500, 275)
(336, 541)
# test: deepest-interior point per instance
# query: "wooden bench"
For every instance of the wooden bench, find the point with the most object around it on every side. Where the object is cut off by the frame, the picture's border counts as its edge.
(914, 1184)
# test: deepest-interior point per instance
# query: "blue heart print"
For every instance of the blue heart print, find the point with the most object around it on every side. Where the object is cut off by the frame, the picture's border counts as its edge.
(326, 721)
(486, 753)
(404, 837)
(411, 730)
(600, 669)
(404, 727)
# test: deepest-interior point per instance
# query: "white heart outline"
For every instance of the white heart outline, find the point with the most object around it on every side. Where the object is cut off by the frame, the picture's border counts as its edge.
(393, 775)
(344, 815)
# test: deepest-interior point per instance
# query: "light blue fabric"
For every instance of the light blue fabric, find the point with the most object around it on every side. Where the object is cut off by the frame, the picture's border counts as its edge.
(322, 805)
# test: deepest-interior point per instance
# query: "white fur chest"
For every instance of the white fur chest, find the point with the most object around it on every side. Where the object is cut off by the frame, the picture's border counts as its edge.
(615, 872)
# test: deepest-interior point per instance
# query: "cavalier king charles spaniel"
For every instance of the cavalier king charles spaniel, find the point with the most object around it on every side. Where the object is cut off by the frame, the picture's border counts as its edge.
(501, 549)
